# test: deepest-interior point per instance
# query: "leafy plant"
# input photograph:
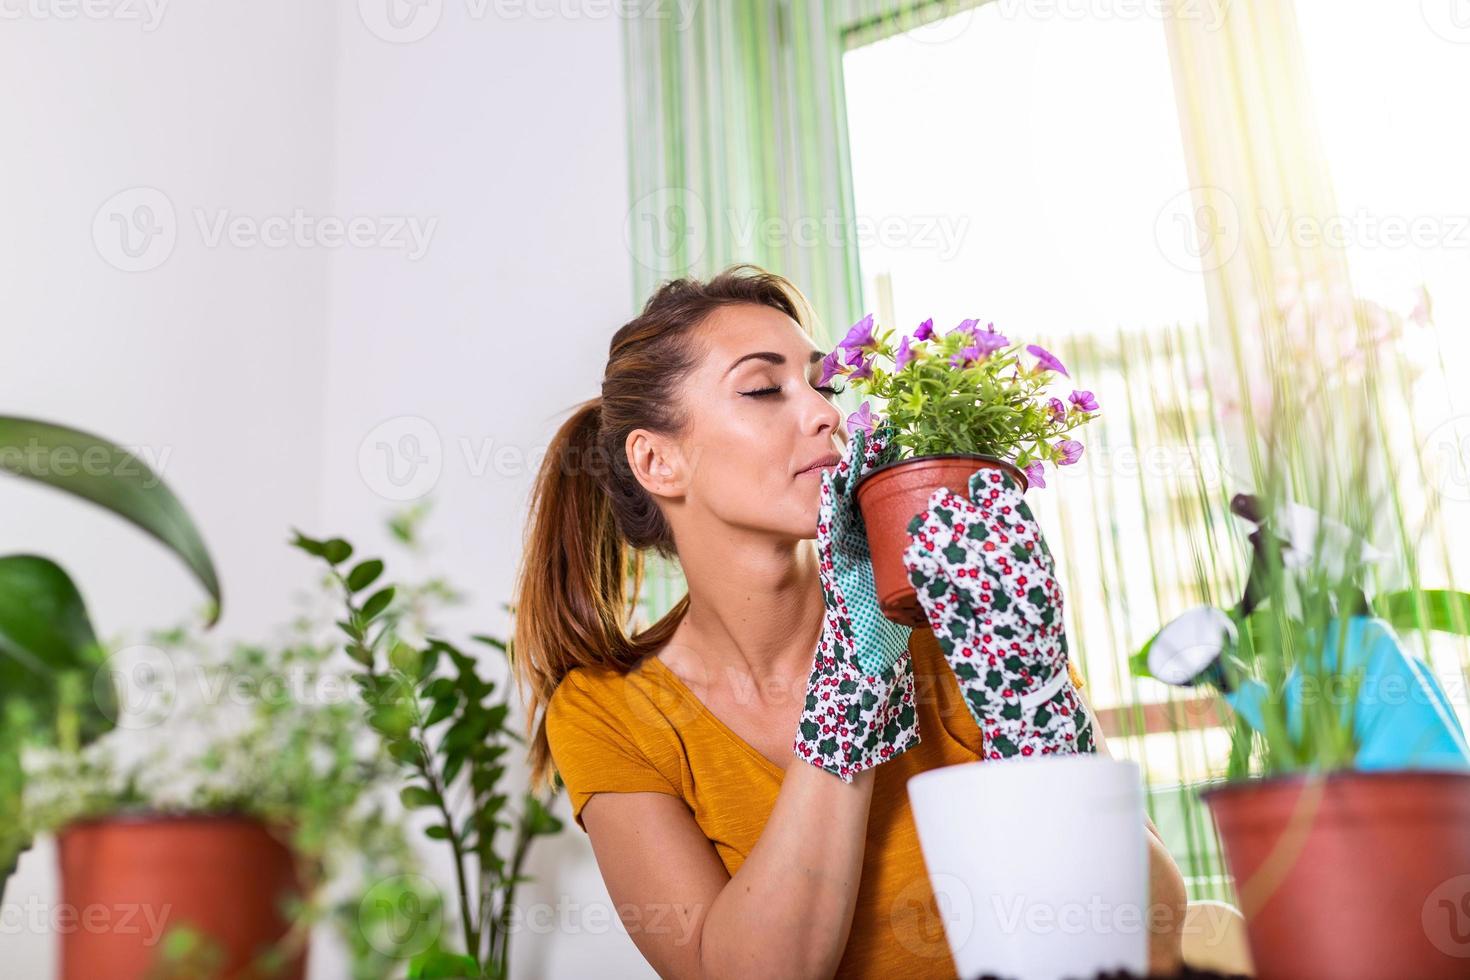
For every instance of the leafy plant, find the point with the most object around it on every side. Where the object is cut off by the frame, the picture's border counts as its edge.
(968, 391)
(440, 721)
(49, 654)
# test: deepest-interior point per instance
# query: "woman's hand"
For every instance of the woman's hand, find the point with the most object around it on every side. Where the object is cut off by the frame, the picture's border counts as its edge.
(987, 583)
(860, 699)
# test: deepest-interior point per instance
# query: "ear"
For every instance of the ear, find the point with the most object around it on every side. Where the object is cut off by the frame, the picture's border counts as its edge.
(658, 463)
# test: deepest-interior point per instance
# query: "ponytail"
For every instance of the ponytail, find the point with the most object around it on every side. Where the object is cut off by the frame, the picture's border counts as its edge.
(591, 522)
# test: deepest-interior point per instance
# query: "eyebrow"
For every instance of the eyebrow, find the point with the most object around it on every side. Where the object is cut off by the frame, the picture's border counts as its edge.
(772, 357)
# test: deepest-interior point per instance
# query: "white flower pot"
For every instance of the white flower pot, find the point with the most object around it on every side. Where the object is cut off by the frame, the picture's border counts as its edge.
(1039, 866)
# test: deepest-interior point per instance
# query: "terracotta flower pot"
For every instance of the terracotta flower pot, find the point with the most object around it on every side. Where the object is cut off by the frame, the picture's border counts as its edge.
(892, 495)
(1352, 875)
(131, 879)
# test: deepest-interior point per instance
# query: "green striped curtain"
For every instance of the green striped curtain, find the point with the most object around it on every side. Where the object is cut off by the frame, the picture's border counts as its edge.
(738, 142)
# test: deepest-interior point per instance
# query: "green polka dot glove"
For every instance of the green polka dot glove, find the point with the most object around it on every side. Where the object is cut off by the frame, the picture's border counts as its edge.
(859, 707)
(987, 583)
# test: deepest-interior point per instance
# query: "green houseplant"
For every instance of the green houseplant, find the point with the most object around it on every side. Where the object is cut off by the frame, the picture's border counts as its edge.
(952, 404)
(1343, 809)
(445, 726)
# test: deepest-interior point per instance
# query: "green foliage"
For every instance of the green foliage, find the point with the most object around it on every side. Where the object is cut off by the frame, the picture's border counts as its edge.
(445, 726)
(949, 397)
(49, 656)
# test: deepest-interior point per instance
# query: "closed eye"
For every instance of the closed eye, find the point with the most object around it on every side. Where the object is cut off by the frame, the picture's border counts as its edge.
(762, 392)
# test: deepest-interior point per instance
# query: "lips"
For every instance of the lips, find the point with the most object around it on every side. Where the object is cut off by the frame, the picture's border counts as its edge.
(817, 465)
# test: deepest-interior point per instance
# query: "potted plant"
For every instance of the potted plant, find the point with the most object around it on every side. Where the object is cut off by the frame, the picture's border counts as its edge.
(954, 403)
(1343, 813)
(243, 811)
(56, 690)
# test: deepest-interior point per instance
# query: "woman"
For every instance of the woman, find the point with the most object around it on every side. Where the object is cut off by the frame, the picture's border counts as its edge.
(727, 850)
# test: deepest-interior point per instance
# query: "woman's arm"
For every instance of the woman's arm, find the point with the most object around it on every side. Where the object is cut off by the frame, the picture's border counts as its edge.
(1168, 898)
(788, 909)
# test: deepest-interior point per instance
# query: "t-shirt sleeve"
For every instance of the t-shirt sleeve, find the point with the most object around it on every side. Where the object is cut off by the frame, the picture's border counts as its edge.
(593, 748)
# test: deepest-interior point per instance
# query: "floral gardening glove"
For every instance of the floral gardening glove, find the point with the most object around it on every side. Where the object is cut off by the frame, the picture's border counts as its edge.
(860, 698)
(987, 583)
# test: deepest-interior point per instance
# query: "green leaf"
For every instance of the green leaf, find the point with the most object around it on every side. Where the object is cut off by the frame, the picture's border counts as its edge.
(437, 832)
(405, 658)
(416, 797)
(1443, 610)
(92, 468)
(364, 574)
(436, 964)
(376, 603)
(336, 551)
(45, 634)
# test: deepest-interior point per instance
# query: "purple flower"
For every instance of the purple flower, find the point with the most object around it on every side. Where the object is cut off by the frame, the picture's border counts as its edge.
(831, 365)
(966, 357)
(864, 368)
(1083, 400)
(903, 356)
(989, 341)
(1046, 359)
(1069, 450)
(966, 326)
(926, 330)
(859, 335)
(861, 419)
(1033, 475)
(1058, 409)
(854, 356)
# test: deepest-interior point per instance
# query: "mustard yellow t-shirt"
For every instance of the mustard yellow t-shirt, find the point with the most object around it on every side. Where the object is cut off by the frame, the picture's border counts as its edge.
(645, 731)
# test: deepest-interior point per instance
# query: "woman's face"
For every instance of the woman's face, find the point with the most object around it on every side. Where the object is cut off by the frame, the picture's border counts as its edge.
(760, 432)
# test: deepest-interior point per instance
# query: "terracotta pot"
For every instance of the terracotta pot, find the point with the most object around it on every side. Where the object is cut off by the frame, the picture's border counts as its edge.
(892, 495)
(1352, 875)
(138, 877)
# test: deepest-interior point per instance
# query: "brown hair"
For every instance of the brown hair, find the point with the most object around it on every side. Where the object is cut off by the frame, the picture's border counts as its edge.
(590, 520)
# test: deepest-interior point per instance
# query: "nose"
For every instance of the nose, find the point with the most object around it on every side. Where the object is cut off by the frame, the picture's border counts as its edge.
(825, 418)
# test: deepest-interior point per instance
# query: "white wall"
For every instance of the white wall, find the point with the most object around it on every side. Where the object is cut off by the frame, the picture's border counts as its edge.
(253, 373)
